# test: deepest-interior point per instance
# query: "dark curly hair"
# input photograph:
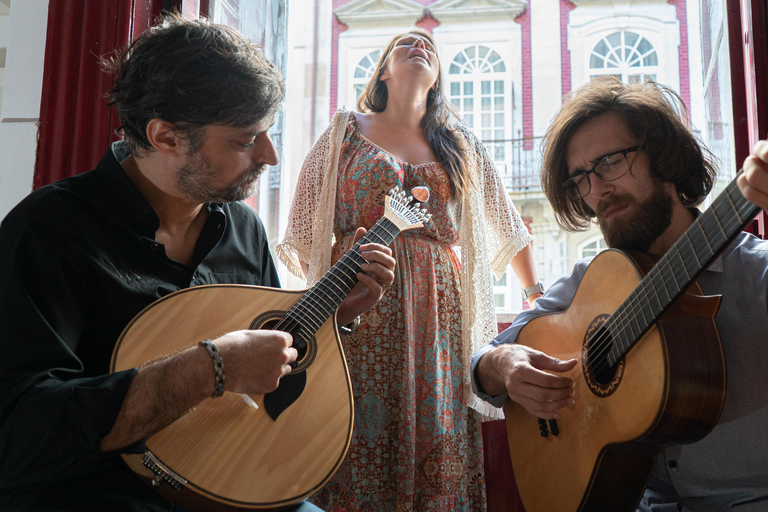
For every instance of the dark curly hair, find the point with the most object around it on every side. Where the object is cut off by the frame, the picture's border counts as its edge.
(191, 73)
(655, 115)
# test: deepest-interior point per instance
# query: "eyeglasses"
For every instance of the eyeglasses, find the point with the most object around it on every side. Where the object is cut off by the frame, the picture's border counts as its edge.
(609, 168)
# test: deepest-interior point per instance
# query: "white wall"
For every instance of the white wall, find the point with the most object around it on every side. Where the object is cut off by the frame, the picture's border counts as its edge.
(22, 89)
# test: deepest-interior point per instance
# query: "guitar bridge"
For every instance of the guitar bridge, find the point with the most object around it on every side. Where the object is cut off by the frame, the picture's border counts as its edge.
(547, 427)
(162, 472)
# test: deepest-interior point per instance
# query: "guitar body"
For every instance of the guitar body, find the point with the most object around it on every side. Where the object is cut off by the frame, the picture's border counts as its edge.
(232, 455)
(669, 389)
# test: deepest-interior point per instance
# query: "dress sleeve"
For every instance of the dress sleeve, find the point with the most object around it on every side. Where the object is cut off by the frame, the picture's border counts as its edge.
(296, 245)
(508, 233)
(52, 414)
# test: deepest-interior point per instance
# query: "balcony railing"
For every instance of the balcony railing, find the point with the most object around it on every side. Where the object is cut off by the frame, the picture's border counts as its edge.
(518, 162)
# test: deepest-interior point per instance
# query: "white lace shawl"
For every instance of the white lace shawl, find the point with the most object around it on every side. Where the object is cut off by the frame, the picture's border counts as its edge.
(309, 236)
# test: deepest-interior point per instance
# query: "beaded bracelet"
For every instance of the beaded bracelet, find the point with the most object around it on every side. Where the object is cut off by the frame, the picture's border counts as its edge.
(218, 367)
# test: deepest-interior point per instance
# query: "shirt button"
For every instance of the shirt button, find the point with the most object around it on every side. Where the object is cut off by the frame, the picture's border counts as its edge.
(154, 245)
(672, 464)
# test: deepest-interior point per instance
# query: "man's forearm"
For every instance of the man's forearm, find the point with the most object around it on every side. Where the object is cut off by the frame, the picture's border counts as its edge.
(160, 393)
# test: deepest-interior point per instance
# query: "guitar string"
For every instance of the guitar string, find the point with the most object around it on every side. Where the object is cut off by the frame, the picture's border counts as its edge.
(705, 224)
(639, 300)
(289, 323)
(604, 341)
(352, 260)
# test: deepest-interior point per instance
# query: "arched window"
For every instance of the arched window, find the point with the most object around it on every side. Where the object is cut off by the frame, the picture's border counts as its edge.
(364, 71)
(478, 89)
(592, 247)
(626, 55)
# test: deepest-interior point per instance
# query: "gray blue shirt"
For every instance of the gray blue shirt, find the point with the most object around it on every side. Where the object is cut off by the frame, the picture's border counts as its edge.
(728, 469)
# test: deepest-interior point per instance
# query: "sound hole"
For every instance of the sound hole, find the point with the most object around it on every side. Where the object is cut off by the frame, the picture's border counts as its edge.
(602, 377)
(307, 348)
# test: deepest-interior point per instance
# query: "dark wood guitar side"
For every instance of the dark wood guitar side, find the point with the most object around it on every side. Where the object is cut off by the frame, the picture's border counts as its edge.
(651, 371)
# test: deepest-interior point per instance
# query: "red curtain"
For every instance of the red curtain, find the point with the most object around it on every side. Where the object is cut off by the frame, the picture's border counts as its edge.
(76, 126)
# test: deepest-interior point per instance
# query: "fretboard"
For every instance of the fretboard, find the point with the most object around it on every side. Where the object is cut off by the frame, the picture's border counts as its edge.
(701, 243)
(319, 303)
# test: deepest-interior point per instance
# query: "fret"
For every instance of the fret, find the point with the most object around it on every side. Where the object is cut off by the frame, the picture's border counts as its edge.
(719, 225)
(327, 288)
(682, 263)
(664, 280)
(674, 271)
(392, 233)
(382, 241)
(688, 236)
(320, 302)
(620, 338)
(697, 225)
(733, 205)
(653, 277)
(328, 305)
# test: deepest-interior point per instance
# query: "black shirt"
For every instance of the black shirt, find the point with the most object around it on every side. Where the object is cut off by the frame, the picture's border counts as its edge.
(78, 260)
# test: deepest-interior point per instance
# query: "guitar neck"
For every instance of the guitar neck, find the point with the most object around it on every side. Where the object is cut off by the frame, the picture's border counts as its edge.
(319, 303)
(701, 243)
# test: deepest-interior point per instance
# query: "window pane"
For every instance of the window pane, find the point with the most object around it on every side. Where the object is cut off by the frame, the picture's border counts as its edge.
(485, 102)
(498, 102)
(498, 300)
(614, 39)
(498, 87)
(485, 87)
(486, 120)
(644, 46)
(454, 70)
(470, 52)
(455, 88)
(468, 88)
(469, 103)
(499, 67)
(601, 48)
(469, 119)
(651, 60)
(499, 119)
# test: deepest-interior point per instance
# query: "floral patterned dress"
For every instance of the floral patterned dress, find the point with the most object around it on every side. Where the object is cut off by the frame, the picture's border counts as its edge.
(416, 446)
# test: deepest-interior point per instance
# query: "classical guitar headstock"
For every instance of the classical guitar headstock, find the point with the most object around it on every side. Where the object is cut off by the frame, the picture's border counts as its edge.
(399, 210)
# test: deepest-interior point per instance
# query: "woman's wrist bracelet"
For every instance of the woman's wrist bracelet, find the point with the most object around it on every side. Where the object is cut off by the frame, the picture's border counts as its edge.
(218, 367)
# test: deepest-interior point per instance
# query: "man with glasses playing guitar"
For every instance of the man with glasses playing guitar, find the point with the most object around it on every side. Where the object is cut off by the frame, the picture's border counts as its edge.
(620, 391)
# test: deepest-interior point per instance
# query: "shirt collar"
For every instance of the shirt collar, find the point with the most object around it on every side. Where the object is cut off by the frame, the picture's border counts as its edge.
(124, 198)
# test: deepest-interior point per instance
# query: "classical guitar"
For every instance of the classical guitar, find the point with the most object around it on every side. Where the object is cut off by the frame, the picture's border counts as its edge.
(243, 452)
(651, 371)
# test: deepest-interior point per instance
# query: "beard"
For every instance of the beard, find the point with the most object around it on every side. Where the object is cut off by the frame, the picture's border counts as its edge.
(637, 232)
(197, 177)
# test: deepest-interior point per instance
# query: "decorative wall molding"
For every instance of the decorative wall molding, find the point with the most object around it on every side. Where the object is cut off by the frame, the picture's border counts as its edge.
(447, 11)
(367, 13)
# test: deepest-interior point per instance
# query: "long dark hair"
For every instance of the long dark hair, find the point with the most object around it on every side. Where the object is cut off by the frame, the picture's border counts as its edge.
(655, 115)
(192, 73)
(444, 141)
